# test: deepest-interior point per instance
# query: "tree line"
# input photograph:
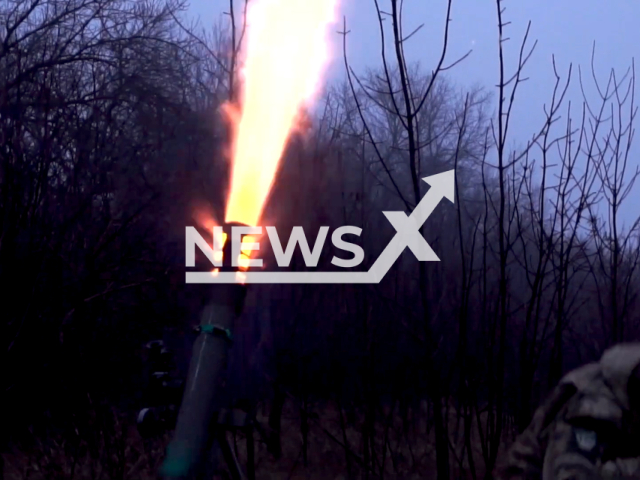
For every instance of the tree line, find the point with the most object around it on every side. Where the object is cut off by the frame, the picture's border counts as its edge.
(111, 142)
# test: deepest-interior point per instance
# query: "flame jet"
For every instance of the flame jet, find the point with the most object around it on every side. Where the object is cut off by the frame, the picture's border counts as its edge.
(283, 60)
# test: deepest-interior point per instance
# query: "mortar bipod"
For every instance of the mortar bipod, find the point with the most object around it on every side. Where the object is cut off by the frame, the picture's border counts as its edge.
(231, 420)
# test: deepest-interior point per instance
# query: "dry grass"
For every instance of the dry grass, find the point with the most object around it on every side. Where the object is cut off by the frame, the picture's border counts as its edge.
(122, 454)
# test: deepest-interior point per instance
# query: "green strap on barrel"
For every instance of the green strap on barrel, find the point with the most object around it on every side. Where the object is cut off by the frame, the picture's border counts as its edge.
(216, 330)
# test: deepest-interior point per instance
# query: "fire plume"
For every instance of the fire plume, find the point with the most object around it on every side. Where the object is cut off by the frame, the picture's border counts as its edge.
(283, 59)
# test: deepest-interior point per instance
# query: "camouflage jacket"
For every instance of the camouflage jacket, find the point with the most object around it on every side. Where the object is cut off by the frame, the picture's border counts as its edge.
(588, 428)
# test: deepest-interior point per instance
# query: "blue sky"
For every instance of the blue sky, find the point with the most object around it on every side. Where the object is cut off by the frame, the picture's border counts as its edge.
(564, 28)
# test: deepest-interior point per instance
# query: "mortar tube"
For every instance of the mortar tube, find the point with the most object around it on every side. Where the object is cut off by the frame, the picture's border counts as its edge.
(206, 369)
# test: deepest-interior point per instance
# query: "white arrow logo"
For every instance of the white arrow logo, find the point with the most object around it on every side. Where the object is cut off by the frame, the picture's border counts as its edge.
(407, 236)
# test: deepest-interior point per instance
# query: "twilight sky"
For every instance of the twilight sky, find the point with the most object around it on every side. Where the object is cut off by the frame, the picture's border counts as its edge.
(566, 28)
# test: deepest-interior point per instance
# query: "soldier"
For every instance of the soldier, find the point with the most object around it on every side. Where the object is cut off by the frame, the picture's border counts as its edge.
(163, 393)
(588, 428)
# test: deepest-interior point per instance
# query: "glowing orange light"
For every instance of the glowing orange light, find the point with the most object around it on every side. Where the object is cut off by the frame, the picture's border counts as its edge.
(203, 218)
(283, 61)
(245, 253)
(243, 257)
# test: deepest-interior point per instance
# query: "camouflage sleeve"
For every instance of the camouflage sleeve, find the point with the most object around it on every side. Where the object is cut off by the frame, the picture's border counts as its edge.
(587, 429)
(573, 453)
(524, 459)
